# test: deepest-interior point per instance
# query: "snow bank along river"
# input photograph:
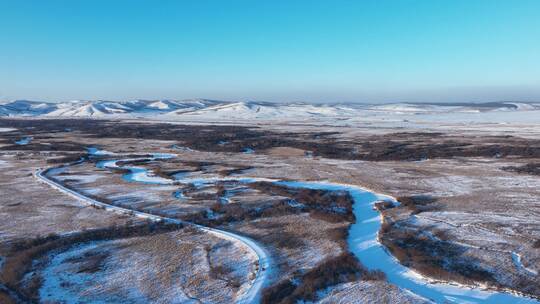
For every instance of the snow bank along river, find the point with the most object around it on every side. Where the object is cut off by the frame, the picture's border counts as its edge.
(362, 238)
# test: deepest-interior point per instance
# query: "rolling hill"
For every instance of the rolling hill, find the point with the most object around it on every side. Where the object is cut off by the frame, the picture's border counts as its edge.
(199, 109)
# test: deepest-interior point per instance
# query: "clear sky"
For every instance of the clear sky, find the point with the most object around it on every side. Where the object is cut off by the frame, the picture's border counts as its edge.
(365, 51)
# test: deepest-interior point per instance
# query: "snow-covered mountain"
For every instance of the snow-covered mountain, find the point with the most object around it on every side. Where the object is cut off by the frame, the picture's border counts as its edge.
(454, 107)
(26, 107)
(202, 109)
(266, 110)
(98, 108)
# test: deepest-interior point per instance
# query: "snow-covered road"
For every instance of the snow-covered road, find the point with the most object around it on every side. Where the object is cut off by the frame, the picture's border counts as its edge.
(251, 295)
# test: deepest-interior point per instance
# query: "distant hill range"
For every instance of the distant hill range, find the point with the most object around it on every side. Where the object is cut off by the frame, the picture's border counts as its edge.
(199, 109)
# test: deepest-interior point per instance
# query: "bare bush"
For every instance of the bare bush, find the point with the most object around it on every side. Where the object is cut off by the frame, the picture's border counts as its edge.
(418, 203)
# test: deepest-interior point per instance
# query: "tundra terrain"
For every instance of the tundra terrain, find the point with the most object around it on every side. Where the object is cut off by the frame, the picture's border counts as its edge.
(221, 212)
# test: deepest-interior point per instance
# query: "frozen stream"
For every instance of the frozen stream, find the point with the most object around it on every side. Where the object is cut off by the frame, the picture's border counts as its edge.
(24, 141)
(362, 238)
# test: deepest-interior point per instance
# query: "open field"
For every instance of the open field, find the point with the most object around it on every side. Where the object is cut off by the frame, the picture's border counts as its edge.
(468, 212)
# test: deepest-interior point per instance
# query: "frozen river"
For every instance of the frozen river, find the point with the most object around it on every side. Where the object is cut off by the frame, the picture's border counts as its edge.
(362, 238)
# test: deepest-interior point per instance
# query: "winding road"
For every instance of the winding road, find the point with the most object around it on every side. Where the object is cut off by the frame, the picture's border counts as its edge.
(252, 295)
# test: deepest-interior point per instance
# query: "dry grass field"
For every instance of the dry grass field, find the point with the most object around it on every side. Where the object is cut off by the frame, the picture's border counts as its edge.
(467, 214)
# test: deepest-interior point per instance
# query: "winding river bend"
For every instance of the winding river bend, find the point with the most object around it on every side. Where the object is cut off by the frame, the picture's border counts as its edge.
(362, 238)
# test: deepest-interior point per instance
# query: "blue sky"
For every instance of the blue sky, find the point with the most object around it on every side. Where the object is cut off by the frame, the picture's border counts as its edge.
(364, 51)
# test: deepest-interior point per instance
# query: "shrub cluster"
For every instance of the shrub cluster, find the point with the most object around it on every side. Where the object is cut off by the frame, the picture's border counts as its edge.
(23, 252)
(434, 257)
(331, 271)
(418, 203)
(227, 213)
(530, 168)
(332, 206)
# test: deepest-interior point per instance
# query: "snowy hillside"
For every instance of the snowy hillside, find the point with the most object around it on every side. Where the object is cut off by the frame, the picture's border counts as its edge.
(454, 107)
(264, 110)
(201, 109)
(26, 107)
(100, 108)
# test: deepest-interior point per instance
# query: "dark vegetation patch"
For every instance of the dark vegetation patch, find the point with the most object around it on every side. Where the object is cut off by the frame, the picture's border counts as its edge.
(156, 165)
(339, 235)
(222, 271)
(234, 171)
(434, 257)
(167, 174)
(91, 261)
(530, 168)
(287, 240)
(392, 150)
(120, 171)
(418, 203)
(229, 213)
(221, 190)
(34, 145)
(329, 272)
(97, 158)
(332, 206)
(23, 252)
(170, 173)
(8, 296)
(65, 206)
(395, 146)
(14, 204)
(40, 141)
(383, 205)
(198, 166)
(134, 162)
